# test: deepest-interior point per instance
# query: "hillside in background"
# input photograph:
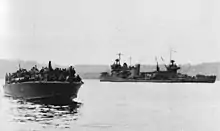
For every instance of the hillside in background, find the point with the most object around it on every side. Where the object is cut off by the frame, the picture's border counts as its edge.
(93, 71)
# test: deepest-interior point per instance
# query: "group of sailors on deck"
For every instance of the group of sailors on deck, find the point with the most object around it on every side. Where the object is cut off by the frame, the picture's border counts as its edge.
(44, 74)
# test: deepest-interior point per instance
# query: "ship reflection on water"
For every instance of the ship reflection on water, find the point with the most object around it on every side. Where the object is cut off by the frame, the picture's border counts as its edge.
(44, 114)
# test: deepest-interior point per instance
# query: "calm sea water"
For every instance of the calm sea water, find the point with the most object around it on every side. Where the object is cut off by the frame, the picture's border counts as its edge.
(121, 107)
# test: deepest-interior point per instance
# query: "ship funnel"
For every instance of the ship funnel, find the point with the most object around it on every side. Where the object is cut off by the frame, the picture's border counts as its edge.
(50, 66)
(137, 68)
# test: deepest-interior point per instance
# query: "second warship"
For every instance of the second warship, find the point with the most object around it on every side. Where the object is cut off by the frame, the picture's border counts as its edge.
(125, 73)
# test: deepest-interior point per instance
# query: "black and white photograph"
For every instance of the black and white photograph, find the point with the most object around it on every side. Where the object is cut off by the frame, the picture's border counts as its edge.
(109, 65)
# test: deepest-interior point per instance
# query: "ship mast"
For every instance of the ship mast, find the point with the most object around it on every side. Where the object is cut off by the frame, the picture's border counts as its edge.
(164, 62)
(158, 68)
(170, 54)
(119, 56)
(171, 50)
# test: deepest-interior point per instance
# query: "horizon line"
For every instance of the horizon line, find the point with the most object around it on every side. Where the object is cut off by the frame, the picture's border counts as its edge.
(84, 64)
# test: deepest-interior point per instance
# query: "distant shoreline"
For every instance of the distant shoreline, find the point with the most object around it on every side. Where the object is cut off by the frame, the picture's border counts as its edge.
(94, 71)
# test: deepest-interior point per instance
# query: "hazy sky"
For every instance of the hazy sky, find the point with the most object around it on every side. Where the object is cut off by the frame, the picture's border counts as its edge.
(94, 31)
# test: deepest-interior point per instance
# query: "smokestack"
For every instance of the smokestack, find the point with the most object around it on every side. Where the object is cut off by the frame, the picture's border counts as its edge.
(137, 69)
(50, 66)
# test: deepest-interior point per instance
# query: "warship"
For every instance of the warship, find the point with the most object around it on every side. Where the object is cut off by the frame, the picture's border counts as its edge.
(52, 86)
(125, 73)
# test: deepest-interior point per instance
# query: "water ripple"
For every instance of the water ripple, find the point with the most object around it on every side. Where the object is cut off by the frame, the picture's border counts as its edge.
(46, 115)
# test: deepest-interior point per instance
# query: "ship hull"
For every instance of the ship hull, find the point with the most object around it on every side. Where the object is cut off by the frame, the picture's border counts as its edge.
(117, 79)
(49, 92)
